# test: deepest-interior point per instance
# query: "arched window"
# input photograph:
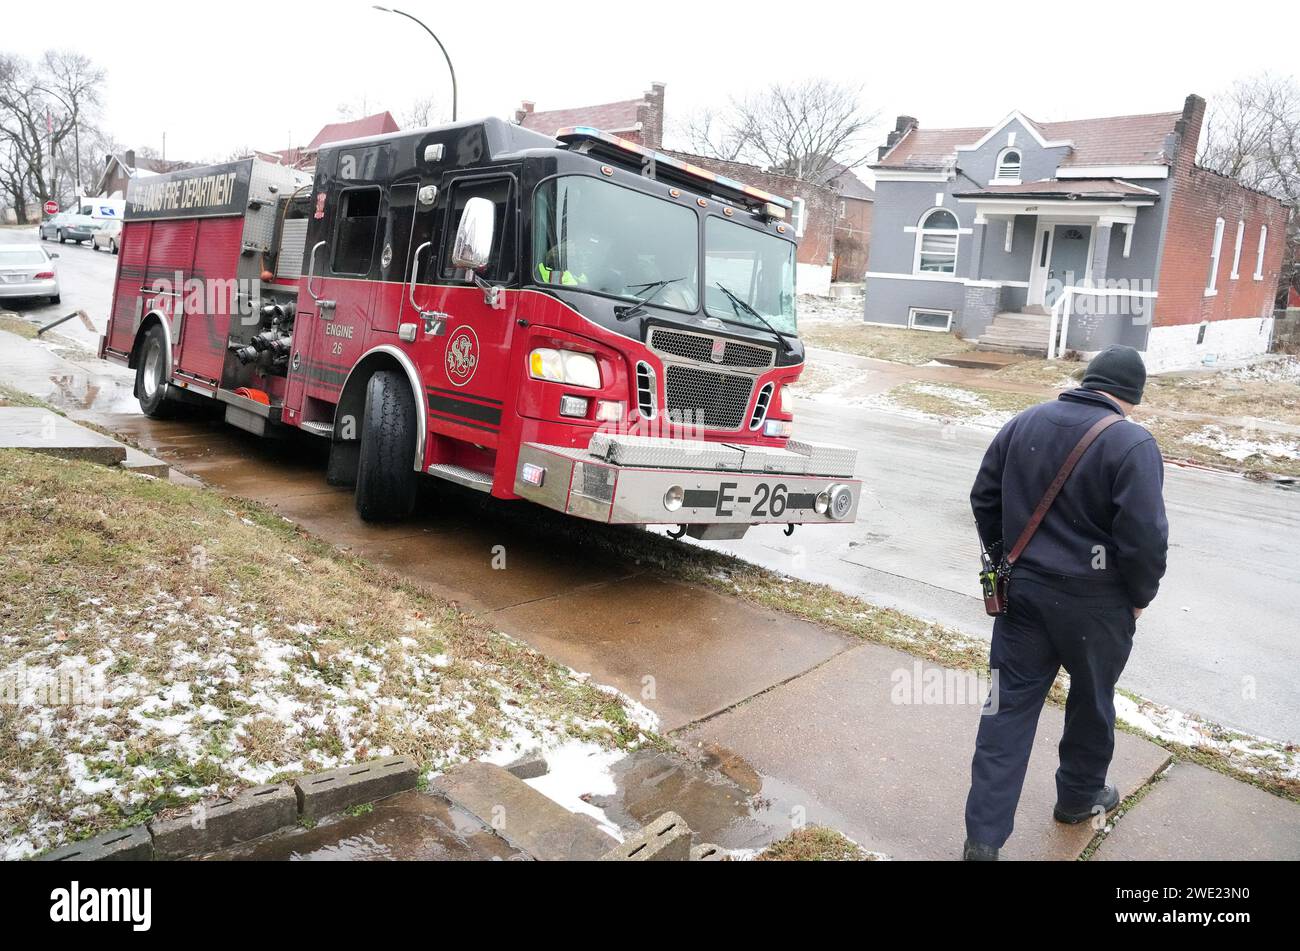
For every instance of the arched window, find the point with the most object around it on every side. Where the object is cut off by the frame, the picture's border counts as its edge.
(1008, 167)
(936, 243)
(1212, 282)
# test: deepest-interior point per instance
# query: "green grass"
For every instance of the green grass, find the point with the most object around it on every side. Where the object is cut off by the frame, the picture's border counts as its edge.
(291, 652)
(814, 844)
(914, 347)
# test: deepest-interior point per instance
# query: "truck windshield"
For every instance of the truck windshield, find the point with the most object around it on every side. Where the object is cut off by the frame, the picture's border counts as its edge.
(598, 236)
(757, 268)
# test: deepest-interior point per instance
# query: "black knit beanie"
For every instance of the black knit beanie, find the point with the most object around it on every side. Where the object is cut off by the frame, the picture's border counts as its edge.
(1118, 371)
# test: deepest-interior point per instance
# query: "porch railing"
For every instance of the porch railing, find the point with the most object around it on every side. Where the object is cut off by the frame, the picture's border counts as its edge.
(1059, 329)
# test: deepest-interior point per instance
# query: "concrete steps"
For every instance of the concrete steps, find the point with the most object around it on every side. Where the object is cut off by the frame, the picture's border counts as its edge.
(1012, 332)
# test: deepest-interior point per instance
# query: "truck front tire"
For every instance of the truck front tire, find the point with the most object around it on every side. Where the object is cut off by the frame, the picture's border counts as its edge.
(386, 479)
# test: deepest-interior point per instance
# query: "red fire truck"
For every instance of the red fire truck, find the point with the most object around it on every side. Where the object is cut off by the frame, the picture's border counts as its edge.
(577, 321)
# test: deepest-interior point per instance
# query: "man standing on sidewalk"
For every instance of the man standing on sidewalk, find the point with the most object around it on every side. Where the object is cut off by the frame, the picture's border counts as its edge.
(1075, 591)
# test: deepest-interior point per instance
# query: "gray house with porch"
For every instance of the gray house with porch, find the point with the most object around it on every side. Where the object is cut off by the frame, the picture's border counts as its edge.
(1037, 236)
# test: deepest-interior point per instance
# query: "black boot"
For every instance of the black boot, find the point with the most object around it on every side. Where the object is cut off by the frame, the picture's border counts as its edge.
(978, 852)
(1106, 800)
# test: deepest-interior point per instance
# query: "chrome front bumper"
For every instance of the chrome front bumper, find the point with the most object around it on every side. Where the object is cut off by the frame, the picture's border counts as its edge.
(646, 481)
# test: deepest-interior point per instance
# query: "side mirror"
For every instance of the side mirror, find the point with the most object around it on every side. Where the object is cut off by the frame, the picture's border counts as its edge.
(473, 248)
(54, 254)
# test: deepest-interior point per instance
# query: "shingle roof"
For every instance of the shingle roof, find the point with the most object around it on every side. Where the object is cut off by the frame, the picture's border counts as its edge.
(608, 117)
(1115, 140)
(380, 123)
(843, 180)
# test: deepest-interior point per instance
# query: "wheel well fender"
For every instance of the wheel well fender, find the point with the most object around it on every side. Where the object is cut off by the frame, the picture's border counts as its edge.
(351, 407)
(151, 318)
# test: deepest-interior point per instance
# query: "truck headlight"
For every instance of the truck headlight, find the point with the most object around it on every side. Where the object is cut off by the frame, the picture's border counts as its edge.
(778, 428)
(564, 366)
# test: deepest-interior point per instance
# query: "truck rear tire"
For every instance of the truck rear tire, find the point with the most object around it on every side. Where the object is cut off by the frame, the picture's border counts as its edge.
(386, 479)
(151, 375)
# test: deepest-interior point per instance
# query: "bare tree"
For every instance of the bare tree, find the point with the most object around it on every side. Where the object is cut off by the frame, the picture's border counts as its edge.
(43, 110)
(708, 132)
(1252, 135)
(420, 114)
(805, 129)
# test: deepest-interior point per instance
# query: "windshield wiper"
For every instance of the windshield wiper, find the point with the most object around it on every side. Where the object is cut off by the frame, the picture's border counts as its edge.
(651, 290)
(737, 304)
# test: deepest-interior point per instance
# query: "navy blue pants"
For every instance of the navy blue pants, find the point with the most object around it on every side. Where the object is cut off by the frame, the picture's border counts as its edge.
(1049, 624)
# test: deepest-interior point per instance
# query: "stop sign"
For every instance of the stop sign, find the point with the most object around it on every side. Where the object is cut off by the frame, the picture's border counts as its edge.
(51, 207)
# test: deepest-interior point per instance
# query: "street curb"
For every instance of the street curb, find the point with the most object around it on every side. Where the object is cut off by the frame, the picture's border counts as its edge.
(120, 845)
(207, 828)
(251, 814)
(337, 789)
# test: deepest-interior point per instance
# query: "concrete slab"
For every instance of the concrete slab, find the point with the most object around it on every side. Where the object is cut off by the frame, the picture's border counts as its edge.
(835, 746)
(1197, 814)
(523, 817)
(683, 651)
(39, 430)
(142, 464)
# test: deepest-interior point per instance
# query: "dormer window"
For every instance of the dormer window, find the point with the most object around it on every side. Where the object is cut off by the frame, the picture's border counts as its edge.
(1008, 167)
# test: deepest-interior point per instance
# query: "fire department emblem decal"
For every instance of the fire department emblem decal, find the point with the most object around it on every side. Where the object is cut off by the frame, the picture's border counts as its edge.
(462, 355)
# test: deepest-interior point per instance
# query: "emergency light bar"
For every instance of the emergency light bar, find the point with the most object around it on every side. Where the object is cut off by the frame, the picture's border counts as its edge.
(582, 133)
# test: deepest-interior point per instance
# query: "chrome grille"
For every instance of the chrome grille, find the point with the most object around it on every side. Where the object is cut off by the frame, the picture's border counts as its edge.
(704, 398)
(699, 347)
(646, 390)
(761, 407)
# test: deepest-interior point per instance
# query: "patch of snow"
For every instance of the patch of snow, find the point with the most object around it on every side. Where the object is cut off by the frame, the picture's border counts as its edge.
(1240, 448)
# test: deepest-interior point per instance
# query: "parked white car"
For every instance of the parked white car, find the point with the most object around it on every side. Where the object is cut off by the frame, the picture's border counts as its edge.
(28, 270)
(108, 236)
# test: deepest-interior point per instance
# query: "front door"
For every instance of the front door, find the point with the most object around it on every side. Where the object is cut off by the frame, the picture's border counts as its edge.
(466, 364)
(1069, 259)
(1040, 265)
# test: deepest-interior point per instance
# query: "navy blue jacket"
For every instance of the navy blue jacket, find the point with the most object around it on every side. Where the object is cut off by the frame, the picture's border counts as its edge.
(1113, 500)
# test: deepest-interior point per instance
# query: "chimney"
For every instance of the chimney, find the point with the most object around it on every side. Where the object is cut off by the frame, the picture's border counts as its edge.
(902, 126)
(129, 158)
(524, 111)
(1187, 132)
(651, 116)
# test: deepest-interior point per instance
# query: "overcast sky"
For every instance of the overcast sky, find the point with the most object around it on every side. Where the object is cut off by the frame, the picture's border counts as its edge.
(223, 75)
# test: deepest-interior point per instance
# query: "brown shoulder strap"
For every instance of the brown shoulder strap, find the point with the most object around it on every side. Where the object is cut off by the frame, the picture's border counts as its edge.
(1054, 489)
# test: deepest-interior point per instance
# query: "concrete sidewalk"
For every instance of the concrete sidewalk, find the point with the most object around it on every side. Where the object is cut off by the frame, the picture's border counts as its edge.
(810, 716)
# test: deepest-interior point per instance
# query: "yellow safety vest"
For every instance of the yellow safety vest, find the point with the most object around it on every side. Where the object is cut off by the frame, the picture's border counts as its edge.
(566, 278)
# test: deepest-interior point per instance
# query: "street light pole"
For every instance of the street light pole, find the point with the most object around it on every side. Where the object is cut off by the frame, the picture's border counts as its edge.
(446, 56)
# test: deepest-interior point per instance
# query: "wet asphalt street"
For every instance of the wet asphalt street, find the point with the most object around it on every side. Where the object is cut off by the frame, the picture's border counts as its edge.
(1221, 640)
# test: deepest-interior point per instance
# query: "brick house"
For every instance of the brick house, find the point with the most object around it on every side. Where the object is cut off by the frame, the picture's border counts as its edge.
(1085, 233)
(120, 169)
(823, 217)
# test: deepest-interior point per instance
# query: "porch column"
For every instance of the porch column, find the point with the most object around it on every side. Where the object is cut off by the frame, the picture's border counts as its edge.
(976, 261)
(1101, 251)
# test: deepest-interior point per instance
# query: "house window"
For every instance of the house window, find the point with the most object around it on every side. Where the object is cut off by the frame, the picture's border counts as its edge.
(1211, 286)
(1236, 251)
(1008, 167)
(923, 318)
(844, 209)
(1259, 253)
(798, 217)
(936, 243)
